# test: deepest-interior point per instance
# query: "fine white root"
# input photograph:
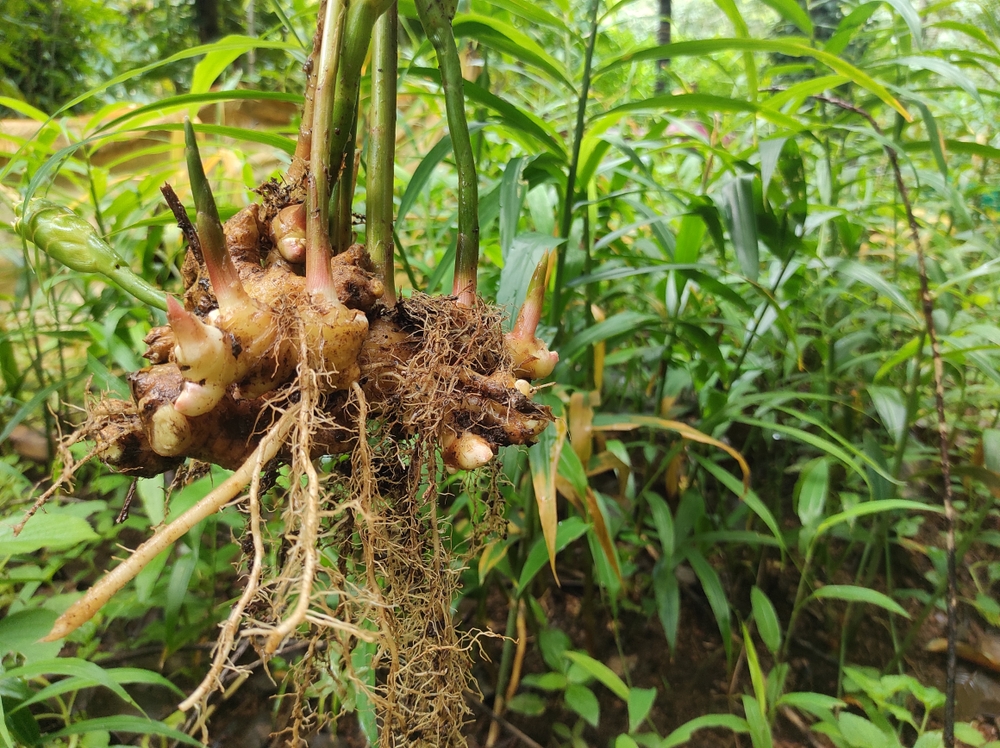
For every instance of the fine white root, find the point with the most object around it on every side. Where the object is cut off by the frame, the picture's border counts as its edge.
(86, 607)
(227, 636)
(309, 529)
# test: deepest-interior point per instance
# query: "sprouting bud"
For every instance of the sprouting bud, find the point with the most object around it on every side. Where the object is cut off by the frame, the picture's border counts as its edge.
(204, 358)
(466, 452)
(221, 271)
(65, 237)
(524, 387)
(289, 231)
(532, 358)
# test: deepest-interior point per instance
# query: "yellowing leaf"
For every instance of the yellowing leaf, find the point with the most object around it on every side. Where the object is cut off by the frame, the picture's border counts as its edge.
(629, 422)
(543, 459)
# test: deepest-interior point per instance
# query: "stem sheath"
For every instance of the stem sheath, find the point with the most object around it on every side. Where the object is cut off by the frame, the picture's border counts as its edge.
(382, 151)
(436, 18)
(318, 247)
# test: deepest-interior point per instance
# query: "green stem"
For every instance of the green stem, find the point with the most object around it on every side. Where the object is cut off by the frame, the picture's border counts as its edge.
(361, 17)
(759, 319)
(436, 17)
(567, 211)
(382, 151)
(318, 248)
(342, 225)
(303, 146)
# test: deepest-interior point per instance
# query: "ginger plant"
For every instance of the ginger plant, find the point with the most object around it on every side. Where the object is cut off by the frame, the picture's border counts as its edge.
(289, 344)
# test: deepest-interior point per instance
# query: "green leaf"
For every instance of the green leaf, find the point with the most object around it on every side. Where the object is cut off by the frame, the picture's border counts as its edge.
(825, 445)
(817, 704)
(689, 240)
(792, 12)
(519, 262)
(625, 741)
(511, 117)
(601, 672)
(88, 673)
(683, 734)
(848, 25)
(935, 138)
(932, 739)
(668, 599)
(738, 197)
(567, 531)
(121, 675)
(811, 491)
(505, 38)
(891, 408)
(22, 723)
(792, 48)
(969, 734)
(511, 197)
(851, 593)
(750, 498)
(640, 702)
(860, 733)
(909, 15)
(663, 521)
(757, 677)
(694, 102)
(20, 632)
(531, 12)
(770, 152)
(945, 69)
(760, 731)
(875, 507)
(529, 704)
(766, 618)
(619, 324)
(138, 725)
(210, 67)
(716, 595)
(582, 700)
(44, 530)
(546, 681)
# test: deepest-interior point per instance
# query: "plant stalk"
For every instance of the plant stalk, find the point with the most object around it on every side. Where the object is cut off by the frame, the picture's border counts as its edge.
(303, 146)
(318, 247)
(382, 151)
(566, 224)
(342, 200)
(436, 18)
(361, 17)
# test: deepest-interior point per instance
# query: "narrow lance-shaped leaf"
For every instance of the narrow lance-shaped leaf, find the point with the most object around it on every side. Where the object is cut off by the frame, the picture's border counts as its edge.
(738, 195)
(543, 459)
(790, 47)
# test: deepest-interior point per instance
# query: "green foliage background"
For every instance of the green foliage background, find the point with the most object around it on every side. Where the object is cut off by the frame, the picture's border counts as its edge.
(737, 267)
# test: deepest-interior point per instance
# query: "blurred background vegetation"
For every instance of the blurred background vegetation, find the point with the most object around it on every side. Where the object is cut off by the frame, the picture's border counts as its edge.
(736, 264)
